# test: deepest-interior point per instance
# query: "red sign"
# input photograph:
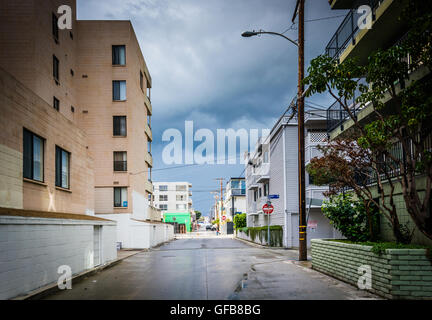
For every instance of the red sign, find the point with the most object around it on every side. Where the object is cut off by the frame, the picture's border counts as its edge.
(223, 218)
(267, 209)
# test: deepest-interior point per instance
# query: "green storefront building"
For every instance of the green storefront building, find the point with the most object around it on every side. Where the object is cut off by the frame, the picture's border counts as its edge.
(180, 218)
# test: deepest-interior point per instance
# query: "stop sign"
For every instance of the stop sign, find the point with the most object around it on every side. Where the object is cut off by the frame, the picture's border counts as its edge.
(267, 209)
(223, 218)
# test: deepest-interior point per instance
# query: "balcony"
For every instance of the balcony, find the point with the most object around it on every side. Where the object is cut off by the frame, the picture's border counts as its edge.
(148, 105)
(351, 41)
(148, 132)
(251, 182)
(148, 159)
(263, 173)
(120, 166)
(149, 186)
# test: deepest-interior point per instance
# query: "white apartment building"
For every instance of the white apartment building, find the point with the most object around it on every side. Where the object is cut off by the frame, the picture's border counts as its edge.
(235, 197)
(173, 197)
(273, 169)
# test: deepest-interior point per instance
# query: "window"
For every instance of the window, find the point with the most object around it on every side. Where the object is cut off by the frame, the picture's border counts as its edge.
(120, 197)
(181, 207)
(163, 207)
(149, 174)
(33, 154)
(266, 157)
(62, 168)
(180, 197)
(163, 188)
(181, 187)
(149, 146)
(56, 104)
(71, 35)
(266, 187)
(55, 29)
(72, 109)
(120, 161)
(119, 126)
(72, 72)
(259, 192)
(255, 195)
(56, 63)
(163, 197)
(141, 80)
(119, 55)
(119, 90)
(149, 121)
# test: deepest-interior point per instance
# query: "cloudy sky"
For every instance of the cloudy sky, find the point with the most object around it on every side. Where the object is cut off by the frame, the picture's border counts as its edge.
(205, 72)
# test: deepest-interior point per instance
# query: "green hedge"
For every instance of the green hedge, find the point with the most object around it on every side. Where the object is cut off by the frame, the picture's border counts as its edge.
(276, 234)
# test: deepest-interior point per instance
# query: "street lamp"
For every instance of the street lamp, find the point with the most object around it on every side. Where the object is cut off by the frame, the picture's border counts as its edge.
(299, 10)
(249, 34)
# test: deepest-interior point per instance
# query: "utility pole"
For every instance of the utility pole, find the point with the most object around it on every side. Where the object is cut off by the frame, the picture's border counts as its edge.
(301, 142)
(221, 196)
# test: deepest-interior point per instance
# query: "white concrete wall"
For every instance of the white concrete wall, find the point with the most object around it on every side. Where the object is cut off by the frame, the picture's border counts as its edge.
(135, 234)
(32, 249)
(140, 206)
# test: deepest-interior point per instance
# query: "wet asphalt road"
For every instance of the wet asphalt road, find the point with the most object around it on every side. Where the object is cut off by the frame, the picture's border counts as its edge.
(209, 268)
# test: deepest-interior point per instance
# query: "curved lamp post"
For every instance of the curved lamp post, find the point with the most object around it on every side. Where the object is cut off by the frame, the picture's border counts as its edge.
(249, 34)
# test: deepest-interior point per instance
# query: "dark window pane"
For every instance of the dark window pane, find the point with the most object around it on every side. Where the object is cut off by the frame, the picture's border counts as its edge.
(119, 126)
(55, 68)
(116, 90)
(55, 29)
(119, 55)
(117, 197)
(58, 165)
(28, 154)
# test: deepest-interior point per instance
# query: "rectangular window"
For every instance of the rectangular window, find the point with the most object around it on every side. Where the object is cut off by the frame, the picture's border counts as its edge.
(163, 188)
(119, 90)
(120, 197)
(259, 192)
(62, 168)
(266, 157)
(120, 161)
(119, 55)
(181, 188)
(56, 63)
(180, 197)
(55, 29)
(163, 207)
(266, 190)
(119, 126)
(255, 195)
(181, 207)
(163, 197)
(56, 103)
(33, 156)
(141, 80)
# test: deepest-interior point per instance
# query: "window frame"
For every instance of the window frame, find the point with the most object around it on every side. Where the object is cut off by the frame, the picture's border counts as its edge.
(121, 199)
(113, 55)
(124, 161)
(56, 69)
(56, 104)
(33, 135)
(163, 197)
(61, 150)
(119, 88)
(54, 27)
(119, 128)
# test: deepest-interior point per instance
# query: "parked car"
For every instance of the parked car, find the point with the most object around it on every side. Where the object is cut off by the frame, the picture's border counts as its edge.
(208, 227)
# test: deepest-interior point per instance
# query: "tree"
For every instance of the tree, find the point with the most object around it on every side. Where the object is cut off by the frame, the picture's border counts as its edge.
(240, 221)
(197, 214)
(395, 147)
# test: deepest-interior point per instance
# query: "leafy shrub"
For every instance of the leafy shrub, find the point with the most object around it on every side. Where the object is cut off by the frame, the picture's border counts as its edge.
(240, 221)
(351, 218)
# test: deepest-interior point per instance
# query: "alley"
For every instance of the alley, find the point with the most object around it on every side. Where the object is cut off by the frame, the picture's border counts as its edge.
(210, 268)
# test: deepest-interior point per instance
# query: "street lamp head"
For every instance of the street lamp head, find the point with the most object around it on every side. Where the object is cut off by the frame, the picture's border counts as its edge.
(248, 34)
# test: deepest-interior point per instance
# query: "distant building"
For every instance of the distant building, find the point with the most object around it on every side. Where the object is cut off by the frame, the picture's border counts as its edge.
(273, 169)
(173, 197)
(235, 197)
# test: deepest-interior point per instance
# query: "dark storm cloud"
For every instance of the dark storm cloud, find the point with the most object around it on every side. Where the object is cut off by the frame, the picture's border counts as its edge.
(204, 71)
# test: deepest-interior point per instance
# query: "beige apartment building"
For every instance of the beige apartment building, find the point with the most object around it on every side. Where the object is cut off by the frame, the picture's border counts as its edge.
(76, 132)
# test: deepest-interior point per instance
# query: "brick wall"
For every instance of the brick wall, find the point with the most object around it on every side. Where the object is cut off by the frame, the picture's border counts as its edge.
(396, 274)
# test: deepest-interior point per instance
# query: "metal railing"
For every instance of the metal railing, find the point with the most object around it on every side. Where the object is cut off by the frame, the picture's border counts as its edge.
(348, 30)
(120, 165)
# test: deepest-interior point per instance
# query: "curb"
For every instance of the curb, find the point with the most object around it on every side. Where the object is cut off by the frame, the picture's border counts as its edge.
(254, 244)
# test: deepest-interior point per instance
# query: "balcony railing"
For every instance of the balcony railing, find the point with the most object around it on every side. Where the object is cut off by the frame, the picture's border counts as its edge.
(120, 165)
(348, 30)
